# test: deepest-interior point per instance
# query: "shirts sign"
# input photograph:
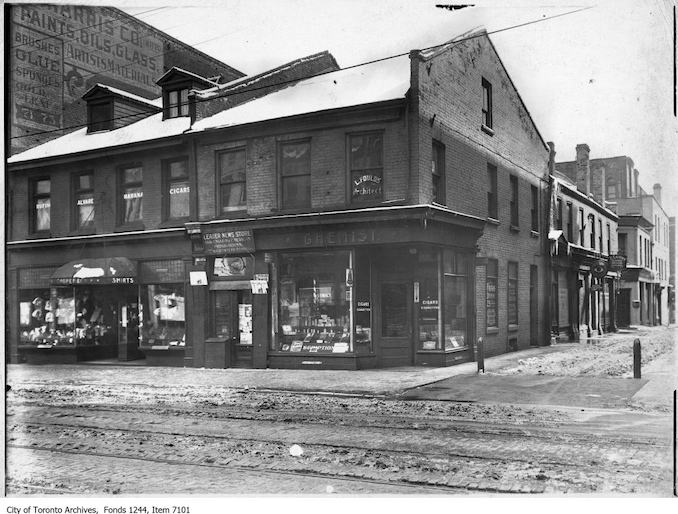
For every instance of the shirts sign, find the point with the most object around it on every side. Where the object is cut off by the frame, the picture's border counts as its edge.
(228, 242)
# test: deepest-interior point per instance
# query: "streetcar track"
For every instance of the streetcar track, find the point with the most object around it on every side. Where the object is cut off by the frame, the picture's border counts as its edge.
(385, 450)
(295, 473)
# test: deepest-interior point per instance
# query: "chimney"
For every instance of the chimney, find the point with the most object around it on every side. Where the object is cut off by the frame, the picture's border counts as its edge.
(552, 157)
(583, 169)
(657, 188)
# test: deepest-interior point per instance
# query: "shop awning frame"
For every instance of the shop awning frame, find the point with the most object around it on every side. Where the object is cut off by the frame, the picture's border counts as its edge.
(96, 271)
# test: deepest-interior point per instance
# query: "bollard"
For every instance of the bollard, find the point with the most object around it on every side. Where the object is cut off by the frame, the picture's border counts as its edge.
(480, 355)
(636, 358)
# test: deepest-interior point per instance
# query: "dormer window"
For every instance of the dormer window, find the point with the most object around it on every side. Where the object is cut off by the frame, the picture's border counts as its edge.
(177, 103)
(100, 116)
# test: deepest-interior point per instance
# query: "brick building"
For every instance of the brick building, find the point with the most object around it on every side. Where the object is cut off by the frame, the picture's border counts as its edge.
(583, 236)
(58, 52)
(644, 236)
(379, 216)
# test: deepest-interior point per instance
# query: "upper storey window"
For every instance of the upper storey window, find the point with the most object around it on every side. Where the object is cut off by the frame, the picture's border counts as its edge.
(367, 167)
(83, 192)
(41, 205)
(438, 172)
(295, 171)
(487, 104)
(232, 181)
(132, 194)
(177, 103)
(100, 116)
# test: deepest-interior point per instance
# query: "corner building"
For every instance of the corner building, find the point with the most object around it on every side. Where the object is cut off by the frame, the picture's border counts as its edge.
(345, 221)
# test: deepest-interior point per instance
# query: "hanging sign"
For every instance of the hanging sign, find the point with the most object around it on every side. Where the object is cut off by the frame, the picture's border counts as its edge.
(617, 262)
(599, 269)
(228, 242)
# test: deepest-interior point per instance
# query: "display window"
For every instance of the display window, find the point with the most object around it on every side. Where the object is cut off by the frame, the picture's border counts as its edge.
(314, 302)
(428, 307)
(162, 315)
(456, 267)
(66, 316)
(232, 315)
(363, 306)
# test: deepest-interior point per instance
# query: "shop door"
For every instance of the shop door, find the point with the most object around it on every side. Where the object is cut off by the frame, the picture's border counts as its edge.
(128, 329)
(624, 308)
(233, 321)
(395, 324)
(534, 307)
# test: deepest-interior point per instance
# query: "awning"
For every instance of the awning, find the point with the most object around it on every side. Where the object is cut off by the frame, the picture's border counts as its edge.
(105, 270)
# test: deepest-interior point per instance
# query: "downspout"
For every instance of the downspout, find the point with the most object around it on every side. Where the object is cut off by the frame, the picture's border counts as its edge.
(546, 246)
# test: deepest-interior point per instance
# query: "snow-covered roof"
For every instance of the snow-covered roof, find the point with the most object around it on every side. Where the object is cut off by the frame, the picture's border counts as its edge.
(176, 69)
(559, 183)
(376, 82)
(147, 129)
(157, 102)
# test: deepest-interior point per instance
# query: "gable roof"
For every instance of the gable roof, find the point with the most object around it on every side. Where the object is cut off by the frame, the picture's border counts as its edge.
(176, 71)
(99, 87)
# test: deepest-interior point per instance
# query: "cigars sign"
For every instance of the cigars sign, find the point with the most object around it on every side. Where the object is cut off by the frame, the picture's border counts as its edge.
(57, 52)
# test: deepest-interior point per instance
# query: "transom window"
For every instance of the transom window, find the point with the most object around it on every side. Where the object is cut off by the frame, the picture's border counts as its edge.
(132, 194)
(41, 204)
(177, 189)
(232, 181)
(295, 174)
(177, 103)
(367, 168)
(83, 193)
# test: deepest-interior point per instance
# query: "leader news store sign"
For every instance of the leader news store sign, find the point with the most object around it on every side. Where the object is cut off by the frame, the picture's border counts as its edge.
(57, 52)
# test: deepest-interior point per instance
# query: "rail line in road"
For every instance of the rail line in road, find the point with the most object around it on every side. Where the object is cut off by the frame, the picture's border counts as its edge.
(452, 457)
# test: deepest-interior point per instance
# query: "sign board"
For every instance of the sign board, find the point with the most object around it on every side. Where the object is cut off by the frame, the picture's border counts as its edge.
(228, 242)
(233, 267)
(259, 286)
(599, 269)
(596, 287)
(617, 262)
(198, 278)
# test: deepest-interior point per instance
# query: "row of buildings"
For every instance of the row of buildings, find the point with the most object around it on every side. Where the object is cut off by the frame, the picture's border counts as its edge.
(312, 217)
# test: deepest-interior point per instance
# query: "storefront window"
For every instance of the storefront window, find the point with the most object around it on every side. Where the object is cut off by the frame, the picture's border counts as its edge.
(427, 278)
(363, 305)
(491, 295)
(162, 315)
(456, 268)
(66, 316)
(313, 302)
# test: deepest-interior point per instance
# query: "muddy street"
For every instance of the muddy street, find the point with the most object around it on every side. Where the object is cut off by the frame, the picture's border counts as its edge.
(106, 438)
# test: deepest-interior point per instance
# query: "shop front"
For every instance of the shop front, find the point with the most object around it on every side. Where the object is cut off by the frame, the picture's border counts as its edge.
(345, 292)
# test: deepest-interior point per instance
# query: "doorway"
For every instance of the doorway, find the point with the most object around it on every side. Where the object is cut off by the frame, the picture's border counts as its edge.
(232, 314)
(394, 325)
(624, 307)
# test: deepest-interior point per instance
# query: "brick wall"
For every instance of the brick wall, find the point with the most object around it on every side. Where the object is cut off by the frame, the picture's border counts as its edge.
(105, 191)
(449, 95)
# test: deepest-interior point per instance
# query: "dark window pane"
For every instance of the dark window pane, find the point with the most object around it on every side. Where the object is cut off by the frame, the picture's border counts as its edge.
(233, 196)
(297, 191)
(366, 151)
(85, 181)
(231, 162)
(178, 169)
(296, 159)
(100, 117)
(394, 313)
(132, 175)
(42, 187)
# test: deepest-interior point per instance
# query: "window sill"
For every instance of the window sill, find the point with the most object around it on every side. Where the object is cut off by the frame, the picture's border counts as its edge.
(534, 233)
(487, 130)
(513, 328)
(493, 221)
(514, 228)
(43, 234)
(242, 213)
(130, 227)
(492, 330)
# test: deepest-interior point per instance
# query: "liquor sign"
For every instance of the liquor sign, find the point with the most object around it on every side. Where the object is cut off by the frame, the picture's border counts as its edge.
(228, 242)
(617, 262)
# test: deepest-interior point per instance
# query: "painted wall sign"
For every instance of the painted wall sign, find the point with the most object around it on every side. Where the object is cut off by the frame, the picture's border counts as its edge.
(617, 262)
(57, 52)
(228, 242)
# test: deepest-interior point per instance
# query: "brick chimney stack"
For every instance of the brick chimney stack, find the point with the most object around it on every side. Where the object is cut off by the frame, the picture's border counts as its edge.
(583, 169)
(657, 189)
(552, 157)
